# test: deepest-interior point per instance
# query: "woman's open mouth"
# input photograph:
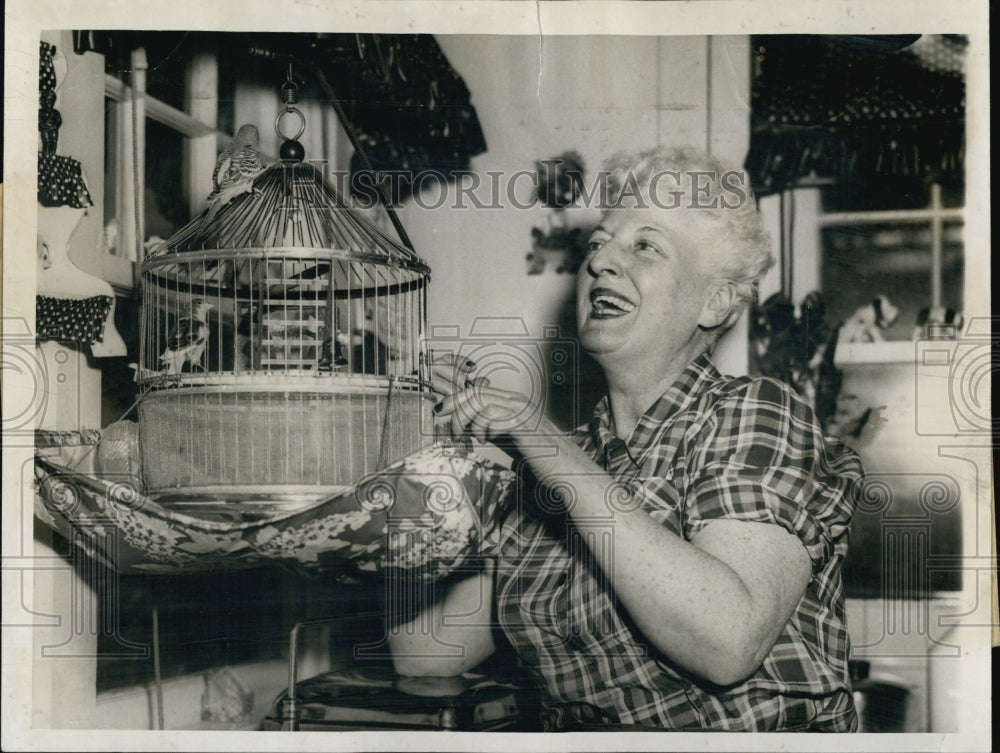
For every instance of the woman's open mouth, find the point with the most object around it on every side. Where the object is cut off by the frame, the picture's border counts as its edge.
(607, 304)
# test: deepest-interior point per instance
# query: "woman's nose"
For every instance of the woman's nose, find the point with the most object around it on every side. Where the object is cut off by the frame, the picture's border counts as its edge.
(606, 260)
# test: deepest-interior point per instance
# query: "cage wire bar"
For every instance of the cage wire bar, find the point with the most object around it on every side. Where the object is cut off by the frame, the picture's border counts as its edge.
(313, 371)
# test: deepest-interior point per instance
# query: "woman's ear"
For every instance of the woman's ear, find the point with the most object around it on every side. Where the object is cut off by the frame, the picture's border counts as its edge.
(720, 305)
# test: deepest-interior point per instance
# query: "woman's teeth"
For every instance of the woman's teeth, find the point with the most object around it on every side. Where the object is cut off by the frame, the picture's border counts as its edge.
(605, 304)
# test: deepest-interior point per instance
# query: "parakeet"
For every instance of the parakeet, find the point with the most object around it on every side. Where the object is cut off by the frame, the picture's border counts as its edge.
(237, 166)
(239, 161)
(246, 328)
(188, 338)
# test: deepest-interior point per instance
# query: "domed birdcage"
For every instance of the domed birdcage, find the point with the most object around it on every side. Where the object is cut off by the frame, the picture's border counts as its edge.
(281, 344)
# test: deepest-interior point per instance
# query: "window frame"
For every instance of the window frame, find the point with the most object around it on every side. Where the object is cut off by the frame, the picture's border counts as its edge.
(202, 141)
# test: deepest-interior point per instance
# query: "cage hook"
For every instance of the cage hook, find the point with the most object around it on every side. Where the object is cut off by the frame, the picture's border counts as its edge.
(290, 90)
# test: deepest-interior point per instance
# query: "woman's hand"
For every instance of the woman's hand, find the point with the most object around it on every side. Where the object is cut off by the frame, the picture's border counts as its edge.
(471, 406)
(489, 413)
(451, 373)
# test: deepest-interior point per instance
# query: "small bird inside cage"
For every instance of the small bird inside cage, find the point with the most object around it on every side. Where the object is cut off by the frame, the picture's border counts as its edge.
(188, 339)
(376, 337)
(332, 353)
(243, 338)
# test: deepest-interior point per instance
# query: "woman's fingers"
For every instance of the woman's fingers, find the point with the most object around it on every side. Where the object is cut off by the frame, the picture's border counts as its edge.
(450, 373)
(449, 358)
(483, 411)
(448, 362)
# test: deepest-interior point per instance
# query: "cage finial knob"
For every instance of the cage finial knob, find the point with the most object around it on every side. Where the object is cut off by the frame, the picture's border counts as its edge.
(292, 151)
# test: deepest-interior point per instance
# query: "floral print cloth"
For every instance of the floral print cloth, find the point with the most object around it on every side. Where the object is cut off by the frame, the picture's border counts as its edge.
(425, 515)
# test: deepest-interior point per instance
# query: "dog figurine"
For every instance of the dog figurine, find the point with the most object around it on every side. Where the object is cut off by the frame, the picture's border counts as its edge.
(866, 324)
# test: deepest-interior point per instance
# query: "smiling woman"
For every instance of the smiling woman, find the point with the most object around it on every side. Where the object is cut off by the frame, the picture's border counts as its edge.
(684, 571)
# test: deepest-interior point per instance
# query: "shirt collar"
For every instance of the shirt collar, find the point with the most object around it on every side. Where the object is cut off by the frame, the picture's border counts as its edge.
(694, 380)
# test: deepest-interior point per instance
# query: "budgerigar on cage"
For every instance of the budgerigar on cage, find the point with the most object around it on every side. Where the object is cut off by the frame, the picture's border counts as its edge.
(237, 166)
(188, 338)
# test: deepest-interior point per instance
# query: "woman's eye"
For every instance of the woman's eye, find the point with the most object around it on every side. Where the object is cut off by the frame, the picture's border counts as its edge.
(647, 247)
(594, 245)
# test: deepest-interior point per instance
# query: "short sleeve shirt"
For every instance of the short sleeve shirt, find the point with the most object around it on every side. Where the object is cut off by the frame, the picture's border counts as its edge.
(711, 447)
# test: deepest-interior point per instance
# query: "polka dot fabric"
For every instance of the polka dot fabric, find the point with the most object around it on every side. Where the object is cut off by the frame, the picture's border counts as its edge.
(46, 70)
(941, 53)
(60, 179)
(60, 182)
(81, 320)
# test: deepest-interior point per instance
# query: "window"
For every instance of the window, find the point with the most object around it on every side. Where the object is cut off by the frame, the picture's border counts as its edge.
(914, 256)
(175, 145)
(859, 145)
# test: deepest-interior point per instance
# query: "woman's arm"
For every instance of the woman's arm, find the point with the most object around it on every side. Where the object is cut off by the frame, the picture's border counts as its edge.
(451, 636)
(714, 605)
(454, 634)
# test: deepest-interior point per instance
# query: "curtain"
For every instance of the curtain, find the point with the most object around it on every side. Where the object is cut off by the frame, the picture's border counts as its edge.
(856, 109)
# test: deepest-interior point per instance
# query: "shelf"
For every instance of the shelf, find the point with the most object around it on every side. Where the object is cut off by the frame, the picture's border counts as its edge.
(956, 214)
(893, 351)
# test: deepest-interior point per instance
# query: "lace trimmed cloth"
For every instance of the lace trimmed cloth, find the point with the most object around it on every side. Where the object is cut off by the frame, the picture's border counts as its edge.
(425, 515)
(857, 109)
(82, 320)
(61, 183)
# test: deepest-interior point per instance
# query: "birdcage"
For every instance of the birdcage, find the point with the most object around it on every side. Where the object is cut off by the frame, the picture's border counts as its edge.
(281, 345)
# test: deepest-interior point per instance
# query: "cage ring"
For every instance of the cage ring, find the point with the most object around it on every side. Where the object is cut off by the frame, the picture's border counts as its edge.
(302, 123)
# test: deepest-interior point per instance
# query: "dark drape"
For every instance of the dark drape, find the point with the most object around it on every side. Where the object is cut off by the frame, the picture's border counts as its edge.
(856, 109)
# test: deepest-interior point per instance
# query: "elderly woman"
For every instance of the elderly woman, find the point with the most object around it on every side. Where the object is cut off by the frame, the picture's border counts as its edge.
(692, 579)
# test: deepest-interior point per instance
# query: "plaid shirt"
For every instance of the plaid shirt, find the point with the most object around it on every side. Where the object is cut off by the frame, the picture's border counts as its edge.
(711, 447)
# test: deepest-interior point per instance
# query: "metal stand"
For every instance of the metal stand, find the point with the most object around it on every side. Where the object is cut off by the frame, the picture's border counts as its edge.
(291, 707)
